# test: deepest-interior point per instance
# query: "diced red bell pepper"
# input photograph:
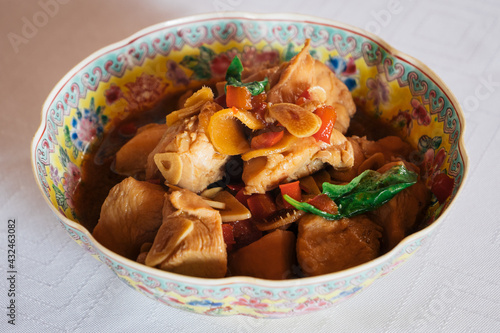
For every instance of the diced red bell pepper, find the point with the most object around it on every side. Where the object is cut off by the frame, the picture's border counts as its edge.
(324, 203)
(261, 205)
(245, 232)
(266, 140)
(227, 233)
(235, 187)
(304, 97)
(239, 97)
(442, 187)
(241, 197)
(259, 105)
(221, 100)
(328, 117)
(292, 190)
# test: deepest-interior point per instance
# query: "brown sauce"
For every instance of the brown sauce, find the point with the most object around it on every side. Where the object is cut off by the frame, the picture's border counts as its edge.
(97, 176)
(363, 124)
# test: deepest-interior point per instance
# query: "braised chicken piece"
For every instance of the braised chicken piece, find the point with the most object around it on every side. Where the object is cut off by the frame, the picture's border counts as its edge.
(132, 157)
(190, 239)
(372, 155)
(184, 156)
(272, 74)
(398, 216)
(130, 216)
(325, 246)
(303, 72)
(302, 158)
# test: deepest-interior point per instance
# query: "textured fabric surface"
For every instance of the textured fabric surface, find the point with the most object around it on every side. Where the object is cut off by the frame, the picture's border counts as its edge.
(450, 285)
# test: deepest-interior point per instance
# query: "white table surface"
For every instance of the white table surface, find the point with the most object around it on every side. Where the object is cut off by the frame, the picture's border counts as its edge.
(451, 285)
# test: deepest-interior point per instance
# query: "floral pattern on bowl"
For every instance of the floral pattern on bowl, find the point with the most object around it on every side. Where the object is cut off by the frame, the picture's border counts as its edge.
(133, 75)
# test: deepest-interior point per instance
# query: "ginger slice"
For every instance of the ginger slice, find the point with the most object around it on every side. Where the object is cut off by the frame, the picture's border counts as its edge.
(226, 131)
(297, 120)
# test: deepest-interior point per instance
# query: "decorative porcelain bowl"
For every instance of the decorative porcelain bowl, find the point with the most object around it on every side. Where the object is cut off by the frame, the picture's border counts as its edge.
(168, 57)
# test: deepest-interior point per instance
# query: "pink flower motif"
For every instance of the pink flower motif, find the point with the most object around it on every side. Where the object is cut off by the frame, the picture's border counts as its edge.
(403, 120)
(350, 67)
(254, 60)
(54, 174)
(71, 178)
(113, 94)
(252, 302)
(87, 129)
(219, 65)
(176, 74)
(379, 90)
(251, 58)
(420, 113)
(433, 161)
(145, 92)
(312, 305)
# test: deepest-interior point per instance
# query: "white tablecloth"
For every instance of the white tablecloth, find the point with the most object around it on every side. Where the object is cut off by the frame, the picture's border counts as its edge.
(452, 284)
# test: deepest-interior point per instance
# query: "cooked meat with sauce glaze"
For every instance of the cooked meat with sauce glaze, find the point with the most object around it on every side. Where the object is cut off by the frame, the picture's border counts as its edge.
(189, 240)
(194, 160)
(303, 72)
(132, 157)
(325, 246)
(130, 216)
(398, 216)
(303, 158)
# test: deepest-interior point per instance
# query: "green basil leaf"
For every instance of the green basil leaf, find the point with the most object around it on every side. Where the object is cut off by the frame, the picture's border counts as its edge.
(233, 78)
(371, 180)
(364, 193)
(234, 70)
(308, 208)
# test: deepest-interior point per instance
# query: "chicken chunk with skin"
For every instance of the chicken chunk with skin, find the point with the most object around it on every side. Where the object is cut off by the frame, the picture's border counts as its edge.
(372, 155)
(130, 216)
(302, 158)
(303, 72)
(190, 239)
(399, 215)
(325, 246)
(187, 155)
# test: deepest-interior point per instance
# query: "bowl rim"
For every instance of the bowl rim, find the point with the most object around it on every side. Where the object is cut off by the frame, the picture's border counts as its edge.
(246, 280)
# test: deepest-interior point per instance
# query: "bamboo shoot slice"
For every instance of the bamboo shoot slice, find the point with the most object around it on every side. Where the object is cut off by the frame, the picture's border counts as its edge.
(234, 211)
(169, 236)
(170, 166)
